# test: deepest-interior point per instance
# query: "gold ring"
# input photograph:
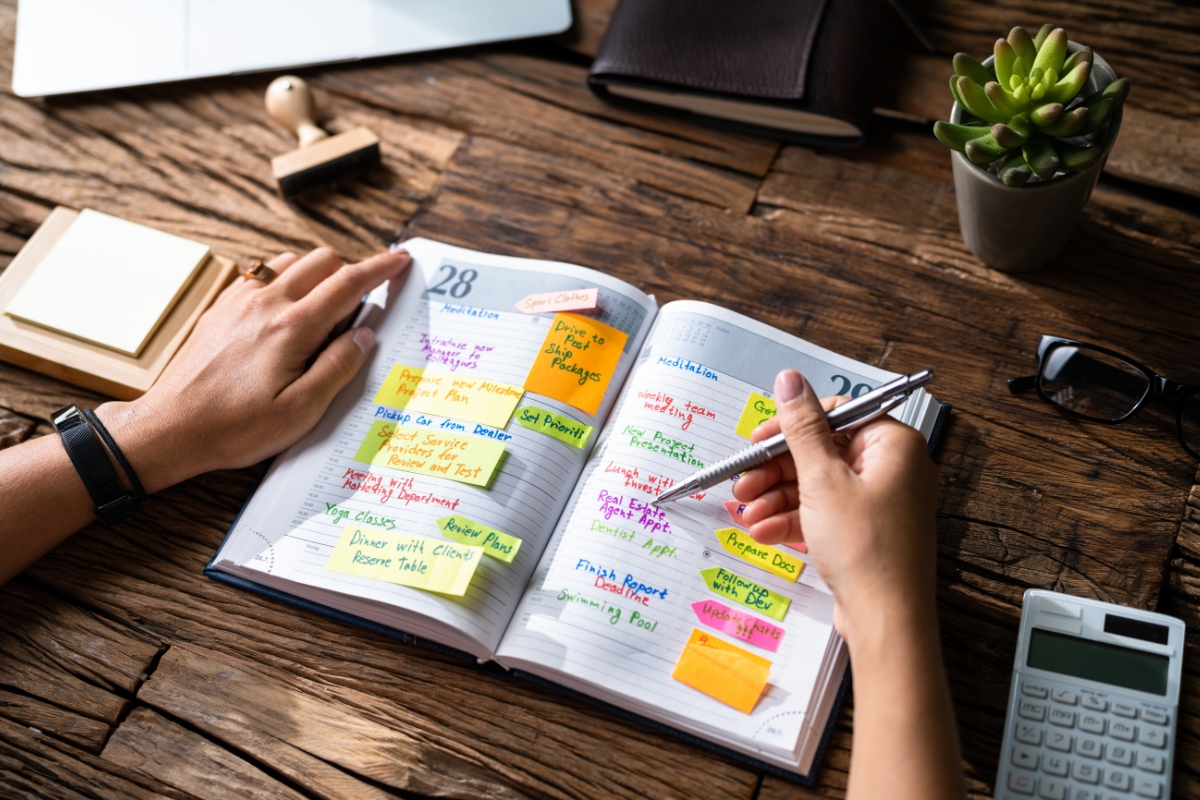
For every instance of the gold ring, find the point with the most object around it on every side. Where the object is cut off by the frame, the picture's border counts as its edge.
(260, 272)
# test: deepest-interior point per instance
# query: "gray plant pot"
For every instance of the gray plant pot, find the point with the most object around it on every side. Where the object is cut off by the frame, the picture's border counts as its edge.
(1020, 228)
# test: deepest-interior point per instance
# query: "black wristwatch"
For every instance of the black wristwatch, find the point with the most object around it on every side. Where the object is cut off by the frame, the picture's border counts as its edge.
(100, 478)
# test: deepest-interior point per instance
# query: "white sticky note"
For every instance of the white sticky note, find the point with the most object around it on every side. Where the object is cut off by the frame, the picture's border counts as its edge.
(108, 281)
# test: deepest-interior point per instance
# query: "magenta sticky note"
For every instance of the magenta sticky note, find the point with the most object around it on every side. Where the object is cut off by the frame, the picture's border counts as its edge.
(739, 625)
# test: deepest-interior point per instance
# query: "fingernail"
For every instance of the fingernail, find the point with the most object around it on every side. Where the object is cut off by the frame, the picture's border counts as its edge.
(365, 339)
(788, 385)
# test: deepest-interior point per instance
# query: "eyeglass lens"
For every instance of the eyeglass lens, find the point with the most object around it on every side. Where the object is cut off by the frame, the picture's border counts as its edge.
(1189, 423)
(1092, 383)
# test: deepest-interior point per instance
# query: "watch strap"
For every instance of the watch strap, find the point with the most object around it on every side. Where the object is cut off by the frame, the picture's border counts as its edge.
(100, 478)
(111, 443)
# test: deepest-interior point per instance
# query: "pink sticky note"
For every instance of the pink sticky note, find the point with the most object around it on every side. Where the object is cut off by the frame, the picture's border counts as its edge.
(569, 300)
(735, 510)
(757, 632)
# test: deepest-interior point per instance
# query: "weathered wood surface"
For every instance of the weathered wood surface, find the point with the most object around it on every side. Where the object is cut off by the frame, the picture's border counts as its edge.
(125, 673)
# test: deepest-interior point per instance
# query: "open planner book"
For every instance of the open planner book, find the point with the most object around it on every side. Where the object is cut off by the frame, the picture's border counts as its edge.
(485, 484)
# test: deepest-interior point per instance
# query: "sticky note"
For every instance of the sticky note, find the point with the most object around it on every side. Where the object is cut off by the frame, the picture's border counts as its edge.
(416, 561)
(746, 592)
(735, 510)
(757, 632)
(554, 425)
(399, 386)
(569, 300)
(758, 410)
(467, 531)
(108, 281)
(428, 451)
(723, 671)
(742, 545)
(576, 361)
(800, 546)
(448, 395)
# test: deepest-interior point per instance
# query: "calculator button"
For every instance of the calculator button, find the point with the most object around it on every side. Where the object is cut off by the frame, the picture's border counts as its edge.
(1064, 696)
(1151, 762)
(1080, 793)
(1120, 754)
(1154, 737)
(1086, 772)
(1153, 715)
(1029, 734)
(1092, 723)
(1087, 746)
(1057, 740)
(1115, 779)
(1147, 787)
(1119, 729)
(1122, 709)
(1024, 757)
(1034, 690)
(1021, 782)
(1052, 789)
(1093, 702)
(1055, 765)
(1063, 717)
(1031, 710)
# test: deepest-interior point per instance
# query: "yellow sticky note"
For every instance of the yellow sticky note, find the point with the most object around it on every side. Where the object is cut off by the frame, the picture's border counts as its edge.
(556, 426)
(777, 562)
(416, 561)
(498, 545)
(722, 671)
(448, 395)
(758, 410)
(576, 361)
(429, 451)
(399, 386)
(747, 592)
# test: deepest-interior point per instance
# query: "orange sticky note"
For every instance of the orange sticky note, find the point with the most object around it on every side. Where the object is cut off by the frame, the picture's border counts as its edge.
(576, 361)
(723, 671)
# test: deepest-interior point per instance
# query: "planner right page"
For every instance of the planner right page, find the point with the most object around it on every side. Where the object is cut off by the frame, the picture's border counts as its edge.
(676, 613)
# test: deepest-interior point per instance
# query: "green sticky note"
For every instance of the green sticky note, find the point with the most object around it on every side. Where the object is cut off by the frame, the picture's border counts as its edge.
(467, 531)
(747, 592)
(554, 425)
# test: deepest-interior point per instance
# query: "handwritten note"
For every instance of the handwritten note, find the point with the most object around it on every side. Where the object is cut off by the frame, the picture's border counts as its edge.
(440, 454)
(556, 426)
(576, 361)
(416, 561)
(746, 592)
(758, 410)
(570, 300)
(446, 395)
(498, 545)
(757, 632)
(742, 545)
(723, 671)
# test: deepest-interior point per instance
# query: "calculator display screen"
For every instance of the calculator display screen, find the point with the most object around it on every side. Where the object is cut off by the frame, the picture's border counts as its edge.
(1098, 661)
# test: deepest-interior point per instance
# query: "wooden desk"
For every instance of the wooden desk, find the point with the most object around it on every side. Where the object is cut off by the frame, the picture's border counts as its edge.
(125, 673)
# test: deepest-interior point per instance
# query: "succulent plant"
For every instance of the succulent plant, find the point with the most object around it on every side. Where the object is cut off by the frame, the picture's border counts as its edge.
(1028, 119)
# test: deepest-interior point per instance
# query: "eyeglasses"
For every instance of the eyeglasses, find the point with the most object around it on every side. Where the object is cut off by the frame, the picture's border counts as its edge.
(1101, 385)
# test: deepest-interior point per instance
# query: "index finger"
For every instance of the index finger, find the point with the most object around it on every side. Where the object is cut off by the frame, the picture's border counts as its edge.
(339, 294)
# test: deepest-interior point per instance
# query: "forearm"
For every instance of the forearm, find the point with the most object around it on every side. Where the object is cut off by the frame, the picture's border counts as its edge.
(905, 739)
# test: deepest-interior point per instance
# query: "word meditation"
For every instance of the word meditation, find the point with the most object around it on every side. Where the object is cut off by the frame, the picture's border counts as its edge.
(440, 454)
(723, 671)
(405, 559)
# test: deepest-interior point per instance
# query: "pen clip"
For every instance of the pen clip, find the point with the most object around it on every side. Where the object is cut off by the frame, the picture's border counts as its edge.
(884, 407)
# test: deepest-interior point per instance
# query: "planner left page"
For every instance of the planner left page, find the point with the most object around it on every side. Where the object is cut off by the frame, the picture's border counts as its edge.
(426, 494)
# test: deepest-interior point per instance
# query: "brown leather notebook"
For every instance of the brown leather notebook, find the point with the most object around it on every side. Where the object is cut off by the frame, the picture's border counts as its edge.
(800, 70)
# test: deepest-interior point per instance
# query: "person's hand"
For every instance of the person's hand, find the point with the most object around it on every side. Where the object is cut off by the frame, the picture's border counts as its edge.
(252, 377)
(866, 511)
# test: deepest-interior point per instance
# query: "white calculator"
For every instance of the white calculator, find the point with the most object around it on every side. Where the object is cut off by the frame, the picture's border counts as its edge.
(1094, 698)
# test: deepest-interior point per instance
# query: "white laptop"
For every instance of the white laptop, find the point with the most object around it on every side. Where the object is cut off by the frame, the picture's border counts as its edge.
(80, 45)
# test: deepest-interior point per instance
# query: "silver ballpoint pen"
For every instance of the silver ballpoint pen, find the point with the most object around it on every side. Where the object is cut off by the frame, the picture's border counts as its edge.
(845, 417)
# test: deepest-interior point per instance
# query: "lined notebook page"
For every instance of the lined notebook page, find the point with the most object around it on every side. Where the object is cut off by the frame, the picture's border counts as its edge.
(288, 531)
(679, 410)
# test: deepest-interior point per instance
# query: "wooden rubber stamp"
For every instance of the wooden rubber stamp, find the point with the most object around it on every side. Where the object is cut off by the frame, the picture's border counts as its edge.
(321, 159)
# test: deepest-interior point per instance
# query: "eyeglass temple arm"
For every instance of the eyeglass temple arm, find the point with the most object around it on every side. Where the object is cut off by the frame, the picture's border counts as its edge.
(1018, 385)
